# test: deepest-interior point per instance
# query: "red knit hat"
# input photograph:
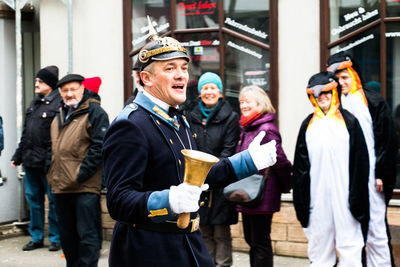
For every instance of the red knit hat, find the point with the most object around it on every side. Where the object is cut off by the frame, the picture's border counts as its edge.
(93, 84)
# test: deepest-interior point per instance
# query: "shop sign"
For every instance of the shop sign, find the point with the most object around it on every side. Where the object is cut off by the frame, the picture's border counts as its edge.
(392, 34)
(354, 18)
(198, 50)
(356, 43)
(201, 43)
(190, 7)
(244, 49)
(256, 77)
(158, 28)
(244, 27)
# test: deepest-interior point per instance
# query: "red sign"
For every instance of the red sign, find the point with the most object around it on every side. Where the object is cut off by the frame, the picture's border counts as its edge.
(196, 8)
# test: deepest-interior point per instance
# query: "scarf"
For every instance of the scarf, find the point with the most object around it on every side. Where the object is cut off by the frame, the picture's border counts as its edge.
(244, 121)
(207, 112)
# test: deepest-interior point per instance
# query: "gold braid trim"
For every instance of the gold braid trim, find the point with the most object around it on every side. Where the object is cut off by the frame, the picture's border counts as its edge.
(145, 55)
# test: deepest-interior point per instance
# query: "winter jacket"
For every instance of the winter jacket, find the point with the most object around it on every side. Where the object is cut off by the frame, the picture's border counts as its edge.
(279, 175)
(35, 140)
(219, 137)
(76, 160)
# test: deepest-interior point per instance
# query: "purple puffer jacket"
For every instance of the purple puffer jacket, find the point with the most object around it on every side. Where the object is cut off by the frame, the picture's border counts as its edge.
(279, 179)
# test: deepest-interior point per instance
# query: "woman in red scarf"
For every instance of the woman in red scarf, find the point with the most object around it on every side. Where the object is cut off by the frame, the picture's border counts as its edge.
(258, 115)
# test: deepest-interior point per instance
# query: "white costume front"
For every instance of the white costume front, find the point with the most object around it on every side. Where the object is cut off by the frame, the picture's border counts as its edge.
(331, 222)
(377, 239)
(330, 180)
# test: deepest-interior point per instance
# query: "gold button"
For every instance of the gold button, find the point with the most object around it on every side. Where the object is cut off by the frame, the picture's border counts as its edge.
(158, 122)
(194, 135)
(171, 142)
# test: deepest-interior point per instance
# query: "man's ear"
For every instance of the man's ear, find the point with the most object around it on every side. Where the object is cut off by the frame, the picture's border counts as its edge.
(146, 76)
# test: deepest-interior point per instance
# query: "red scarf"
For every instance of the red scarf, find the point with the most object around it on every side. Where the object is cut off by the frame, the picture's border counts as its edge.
(244, 121)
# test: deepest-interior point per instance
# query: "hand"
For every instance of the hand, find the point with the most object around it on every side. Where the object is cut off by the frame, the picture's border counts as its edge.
(264, 155)
(379, 184)
(185, 197)
(13, 164)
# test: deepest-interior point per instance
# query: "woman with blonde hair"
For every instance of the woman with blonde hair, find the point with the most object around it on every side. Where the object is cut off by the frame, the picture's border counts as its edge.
(258, 115)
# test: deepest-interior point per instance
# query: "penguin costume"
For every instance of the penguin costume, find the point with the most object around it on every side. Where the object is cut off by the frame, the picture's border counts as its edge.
(330, 179)
(374, 116)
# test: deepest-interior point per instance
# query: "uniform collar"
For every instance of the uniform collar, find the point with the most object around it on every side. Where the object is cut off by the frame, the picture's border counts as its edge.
(157, 107)
(157, 101)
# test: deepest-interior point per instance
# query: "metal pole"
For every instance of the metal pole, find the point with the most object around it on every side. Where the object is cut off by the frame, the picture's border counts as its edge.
(70, 49)
(19, 4)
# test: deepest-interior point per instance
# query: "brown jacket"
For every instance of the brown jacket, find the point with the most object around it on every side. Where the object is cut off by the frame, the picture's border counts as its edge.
(76, 161)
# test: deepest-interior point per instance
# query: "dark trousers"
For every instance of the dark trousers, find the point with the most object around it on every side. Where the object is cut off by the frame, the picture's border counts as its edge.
(257, 230)
(79, 217)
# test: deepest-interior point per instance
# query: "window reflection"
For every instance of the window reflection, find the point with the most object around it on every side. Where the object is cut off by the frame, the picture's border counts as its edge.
(245, 64)
(393, 80)
(392, 8)
(250, 18)
(204, 52)
(364, 49)
(348, 16)
(159, 13)
(196, 14)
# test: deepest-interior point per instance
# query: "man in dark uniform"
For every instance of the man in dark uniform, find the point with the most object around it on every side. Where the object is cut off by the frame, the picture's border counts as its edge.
(143, 167)
(374, 115)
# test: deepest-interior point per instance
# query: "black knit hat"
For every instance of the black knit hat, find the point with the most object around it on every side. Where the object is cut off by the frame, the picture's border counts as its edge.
(49, 75)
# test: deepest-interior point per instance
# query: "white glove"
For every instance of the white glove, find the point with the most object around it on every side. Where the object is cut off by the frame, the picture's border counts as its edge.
(185, 197)
(264, 155)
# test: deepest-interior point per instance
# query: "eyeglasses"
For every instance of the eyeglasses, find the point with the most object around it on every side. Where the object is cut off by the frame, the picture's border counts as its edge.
(66, 91)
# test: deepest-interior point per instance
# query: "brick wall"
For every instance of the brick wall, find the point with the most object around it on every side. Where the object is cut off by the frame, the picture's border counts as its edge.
(287, 234)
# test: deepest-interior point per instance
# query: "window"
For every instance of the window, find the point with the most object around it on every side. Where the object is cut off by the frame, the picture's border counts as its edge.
(218, 33)
(191, 14)
(370, 32)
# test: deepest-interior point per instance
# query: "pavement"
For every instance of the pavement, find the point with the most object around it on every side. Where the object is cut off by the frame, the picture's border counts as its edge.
(11, 255)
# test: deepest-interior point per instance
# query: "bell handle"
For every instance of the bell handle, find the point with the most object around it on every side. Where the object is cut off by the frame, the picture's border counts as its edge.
(183, 220)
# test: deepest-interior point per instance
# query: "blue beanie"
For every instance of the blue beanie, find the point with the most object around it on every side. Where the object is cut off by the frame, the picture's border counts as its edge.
(209, 77)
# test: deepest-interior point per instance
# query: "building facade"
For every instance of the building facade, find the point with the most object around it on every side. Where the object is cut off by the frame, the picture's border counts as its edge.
(275, 44)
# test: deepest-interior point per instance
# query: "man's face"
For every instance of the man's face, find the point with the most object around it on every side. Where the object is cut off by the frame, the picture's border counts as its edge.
(345, 81)
(324, 101)
(167, 80)
(72, 93)
(42, 88)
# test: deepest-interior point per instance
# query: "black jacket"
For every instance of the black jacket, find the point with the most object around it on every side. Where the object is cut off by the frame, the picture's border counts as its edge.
(385, 141)
(218, 137)
(358, 172)
(35, 140)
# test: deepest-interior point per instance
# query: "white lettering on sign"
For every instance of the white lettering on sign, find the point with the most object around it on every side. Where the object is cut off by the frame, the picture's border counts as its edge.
(256, 81)
(201, 43)
(144, 29)
(355, 18)
(358, 42)
(392, 34)
(246, 28)
(245, 49)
